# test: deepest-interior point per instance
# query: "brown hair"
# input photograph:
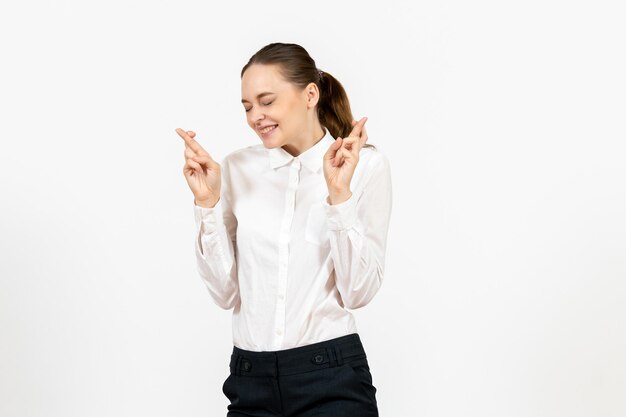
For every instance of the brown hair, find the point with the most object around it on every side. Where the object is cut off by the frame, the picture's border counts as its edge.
(297, 67)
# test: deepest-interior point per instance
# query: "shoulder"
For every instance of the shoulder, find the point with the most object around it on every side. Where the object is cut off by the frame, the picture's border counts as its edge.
(373, 160)
(372, 170)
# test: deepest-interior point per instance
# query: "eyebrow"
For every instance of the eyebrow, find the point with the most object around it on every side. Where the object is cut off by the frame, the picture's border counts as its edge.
(263, 94)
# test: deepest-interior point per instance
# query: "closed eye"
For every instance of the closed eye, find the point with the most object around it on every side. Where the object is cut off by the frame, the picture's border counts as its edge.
(265, 104)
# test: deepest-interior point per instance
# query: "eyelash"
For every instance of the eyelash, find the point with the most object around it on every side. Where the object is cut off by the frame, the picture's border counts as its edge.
(265, 104)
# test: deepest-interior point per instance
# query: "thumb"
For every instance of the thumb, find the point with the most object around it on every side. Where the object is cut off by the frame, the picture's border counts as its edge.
(205, 159)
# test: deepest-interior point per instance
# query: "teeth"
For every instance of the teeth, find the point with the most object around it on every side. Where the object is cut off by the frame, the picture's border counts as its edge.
(267, 129)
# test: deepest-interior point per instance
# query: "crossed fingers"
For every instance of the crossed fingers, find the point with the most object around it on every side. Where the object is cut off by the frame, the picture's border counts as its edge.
(190, 142)
(188, 152)
(351, 145)
(358, 136)
(193, 150)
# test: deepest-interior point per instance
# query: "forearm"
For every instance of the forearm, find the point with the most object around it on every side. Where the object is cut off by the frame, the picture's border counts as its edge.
(217, 267)
(358, 267)
(358, 226)
(216, 255)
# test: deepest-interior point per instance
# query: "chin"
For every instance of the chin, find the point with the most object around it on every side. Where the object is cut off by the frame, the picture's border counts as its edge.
(269, 144)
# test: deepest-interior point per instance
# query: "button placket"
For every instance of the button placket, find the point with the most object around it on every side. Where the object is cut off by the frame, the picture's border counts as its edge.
(283, 251)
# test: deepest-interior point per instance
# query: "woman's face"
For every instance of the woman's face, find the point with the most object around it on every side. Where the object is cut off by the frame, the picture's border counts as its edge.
(273, 103)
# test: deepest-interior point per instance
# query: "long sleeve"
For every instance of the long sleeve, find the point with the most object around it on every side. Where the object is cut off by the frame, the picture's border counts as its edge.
(358, 235)
(215, 247)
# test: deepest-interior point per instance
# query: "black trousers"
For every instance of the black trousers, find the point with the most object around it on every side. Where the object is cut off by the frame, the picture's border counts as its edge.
(325, 379)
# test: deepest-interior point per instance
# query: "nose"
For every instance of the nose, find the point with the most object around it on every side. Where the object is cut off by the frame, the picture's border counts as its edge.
(256, 116)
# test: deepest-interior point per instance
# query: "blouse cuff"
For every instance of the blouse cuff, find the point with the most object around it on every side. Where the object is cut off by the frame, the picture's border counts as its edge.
(341, 216)
(208, 218)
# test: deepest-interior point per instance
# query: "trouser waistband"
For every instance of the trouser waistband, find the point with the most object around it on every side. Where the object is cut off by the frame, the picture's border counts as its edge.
(325, 354)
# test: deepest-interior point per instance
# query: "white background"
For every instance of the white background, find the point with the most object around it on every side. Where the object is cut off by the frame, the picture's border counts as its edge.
(505, 284)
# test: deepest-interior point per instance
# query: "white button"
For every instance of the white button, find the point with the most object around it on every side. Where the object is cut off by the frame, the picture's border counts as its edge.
(281, 296)
(279, 331)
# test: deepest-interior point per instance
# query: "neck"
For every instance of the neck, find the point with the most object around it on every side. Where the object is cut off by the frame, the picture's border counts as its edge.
(310, 138)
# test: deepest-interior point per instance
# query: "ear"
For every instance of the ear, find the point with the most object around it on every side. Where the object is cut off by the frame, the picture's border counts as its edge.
(312, 95)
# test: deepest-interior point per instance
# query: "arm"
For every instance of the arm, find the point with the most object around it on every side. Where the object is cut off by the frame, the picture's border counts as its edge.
(215, 246)
(358, 230)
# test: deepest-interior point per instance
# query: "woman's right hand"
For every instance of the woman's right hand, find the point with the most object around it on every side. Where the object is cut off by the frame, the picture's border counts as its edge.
(201, 171)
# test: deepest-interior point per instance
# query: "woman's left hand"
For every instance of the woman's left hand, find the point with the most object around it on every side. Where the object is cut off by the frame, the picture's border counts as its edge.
(340, 161)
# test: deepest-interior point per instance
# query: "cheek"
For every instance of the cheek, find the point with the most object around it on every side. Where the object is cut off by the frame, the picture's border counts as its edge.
(285, 115)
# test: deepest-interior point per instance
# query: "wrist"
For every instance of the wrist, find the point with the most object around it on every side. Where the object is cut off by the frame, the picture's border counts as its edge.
(338, 197)
(205, 203)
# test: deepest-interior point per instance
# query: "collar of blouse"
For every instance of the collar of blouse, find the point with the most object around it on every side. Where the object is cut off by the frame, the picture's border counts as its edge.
(312, 158)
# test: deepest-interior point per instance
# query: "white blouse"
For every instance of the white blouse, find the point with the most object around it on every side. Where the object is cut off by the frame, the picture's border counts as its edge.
(287, 261)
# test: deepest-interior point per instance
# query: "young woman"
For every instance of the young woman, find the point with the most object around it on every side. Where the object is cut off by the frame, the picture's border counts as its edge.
(292, 233)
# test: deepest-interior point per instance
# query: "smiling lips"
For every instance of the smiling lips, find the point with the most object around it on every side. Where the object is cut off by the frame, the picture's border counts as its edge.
(267, 129)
